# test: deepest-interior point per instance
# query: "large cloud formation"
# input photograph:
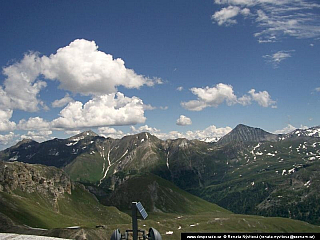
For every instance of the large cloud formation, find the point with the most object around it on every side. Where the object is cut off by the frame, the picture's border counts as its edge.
(82, 68)
(211, 97)
(79, 68)
(7, 138)
(107, 110)
(5, 124)
(22, 75)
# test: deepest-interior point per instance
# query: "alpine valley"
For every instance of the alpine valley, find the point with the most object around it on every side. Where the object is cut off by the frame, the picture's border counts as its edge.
(185, 185)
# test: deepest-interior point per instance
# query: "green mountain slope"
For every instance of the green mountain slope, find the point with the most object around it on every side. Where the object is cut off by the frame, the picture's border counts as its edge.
(158, 195)
(43, 197)
(246, 171)
(272, 179)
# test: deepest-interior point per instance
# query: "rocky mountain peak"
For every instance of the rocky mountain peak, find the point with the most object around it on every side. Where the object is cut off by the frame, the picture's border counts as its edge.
(24, 142)
(84, 135)
(88, 133)
(140, 137)
(243, 133)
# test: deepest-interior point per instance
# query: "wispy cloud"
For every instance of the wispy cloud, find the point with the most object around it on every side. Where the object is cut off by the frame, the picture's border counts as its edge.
(179, 88)
(276, 58)
(275, 19)
(62, 102)
(289, 128)
(226, 15)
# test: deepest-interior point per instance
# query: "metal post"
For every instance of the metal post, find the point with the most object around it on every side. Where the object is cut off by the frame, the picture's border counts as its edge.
(134, 221)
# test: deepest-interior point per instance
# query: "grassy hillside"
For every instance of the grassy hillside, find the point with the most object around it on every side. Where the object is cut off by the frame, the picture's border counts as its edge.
(78, 209)
(158, 195)
(86, 168)
(274, 179)
(171, 211)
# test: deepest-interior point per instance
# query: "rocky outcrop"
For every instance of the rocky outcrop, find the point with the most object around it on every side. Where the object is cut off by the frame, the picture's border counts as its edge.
(47, 181)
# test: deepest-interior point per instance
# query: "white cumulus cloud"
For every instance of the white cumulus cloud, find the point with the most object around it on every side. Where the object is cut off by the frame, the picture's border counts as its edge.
(81, 68)
(226, 15)
(145, 128)
(111, 132)
(262, 98)
(194, 105)
(289, 128)
(244, 100)
(39, 136)
(35, 123)
(7, 138)
(22, 75)
(211, 97)
(215, 96)
(5, 124)
(106, 110)
(211, 133)
(183, 121)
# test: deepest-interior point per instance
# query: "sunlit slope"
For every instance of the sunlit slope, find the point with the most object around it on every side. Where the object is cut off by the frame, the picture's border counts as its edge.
(44, 197)
(249, 171)
(272, 179)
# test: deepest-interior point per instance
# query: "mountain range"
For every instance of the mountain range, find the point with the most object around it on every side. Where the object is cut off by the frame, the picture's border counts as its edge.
(248, 171)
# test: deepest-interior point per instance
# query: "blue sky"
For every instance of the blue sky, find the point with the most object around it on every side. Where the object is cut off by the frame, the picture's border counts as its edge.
(191, 69)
